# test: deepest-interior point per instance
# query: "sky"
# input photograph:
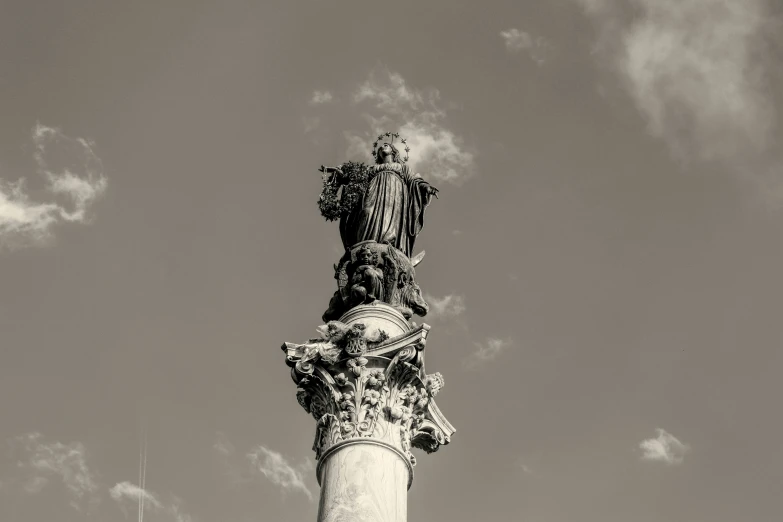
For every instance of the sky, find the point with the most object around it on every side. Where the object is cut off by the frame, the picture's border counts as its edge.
(603, 263)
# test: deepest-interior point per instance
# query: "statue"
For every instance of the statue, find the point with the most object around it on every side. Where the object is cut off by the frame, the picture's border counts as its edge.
(381, 211)
(391, 208)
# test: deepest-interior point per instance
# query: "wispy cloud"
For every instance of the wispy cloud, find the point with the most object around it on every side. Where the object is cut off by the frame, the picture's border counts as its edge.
(486, 352)
(127, 491)
(127, 494)
(279, 471)
(445, 307)
(310, 123)
(74, 179)
(41, 461)
(517, 41)
(665, 448)
(698, 71)
(391, 104)
(321, 97)
(234, 466)
(223, 446)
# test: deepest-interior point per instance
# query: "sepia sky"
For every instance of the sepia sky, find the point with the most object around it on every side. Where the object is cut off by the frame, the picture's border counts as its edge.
(603, 263)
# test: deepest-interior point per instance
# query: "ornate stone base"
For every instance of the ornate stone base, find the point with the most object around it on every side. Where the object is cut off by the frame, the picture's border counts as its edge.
(364, 383)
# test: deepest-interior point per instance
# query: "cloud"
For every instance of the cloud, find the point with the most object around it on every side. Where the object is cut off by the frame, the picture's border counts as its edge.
(320, 97)
(310, 123)
(35, 484)
(42, 461)
(125, 493)
(223, 445)
(698, 71)
(664, 448)
(234, 467)
(445, 307)
(277, 469)
(517, 40)
(74, 179)
(390, 104)
(487, 351)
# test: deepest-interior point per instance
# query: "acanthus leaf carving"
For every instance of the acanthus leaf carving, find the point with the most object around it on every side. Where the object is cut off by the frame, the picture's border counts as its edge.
(374, 392)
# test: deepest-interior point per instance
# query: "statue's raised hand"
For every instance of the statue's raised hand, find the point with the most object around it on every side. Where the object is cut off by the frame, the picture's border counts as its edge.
(334, 173)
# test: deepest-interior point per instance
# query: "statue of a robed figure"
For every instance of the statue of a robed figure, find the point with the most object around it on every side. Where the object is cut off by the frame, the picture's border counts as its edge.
(381, 212)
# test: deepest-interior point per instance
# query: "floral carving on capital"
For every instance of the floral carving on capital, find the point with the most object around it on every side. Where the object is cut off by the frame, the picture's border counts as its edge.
(384, 397)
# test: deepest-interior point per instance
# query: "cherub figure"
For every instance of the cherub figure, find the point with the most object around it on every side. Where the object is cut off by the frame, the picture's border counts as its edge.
(367, 278)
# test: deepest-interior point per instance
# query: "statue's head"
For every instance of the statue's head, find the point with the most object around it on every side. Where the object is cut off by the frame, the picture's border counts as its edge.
(384, 151)
(387, 153)
(364, 255)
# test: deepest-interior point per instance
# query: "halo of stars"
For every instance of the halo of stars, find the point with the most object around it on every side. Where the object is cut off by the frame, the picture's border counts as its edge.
(391, 136)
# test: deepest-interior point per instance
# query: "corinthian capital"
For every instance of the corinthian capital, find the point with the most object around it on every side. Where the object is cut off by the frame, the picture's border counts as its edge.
(364, 380)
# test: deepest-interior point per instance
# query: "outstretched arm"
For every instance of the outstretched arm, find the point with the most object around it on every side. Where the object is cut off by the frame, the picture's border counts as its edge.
(416, 179)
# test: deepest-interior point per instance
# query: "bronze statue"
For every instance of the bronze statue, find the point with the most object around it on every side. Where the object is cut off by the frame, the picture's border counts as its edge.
(391, 210)
(381, 212)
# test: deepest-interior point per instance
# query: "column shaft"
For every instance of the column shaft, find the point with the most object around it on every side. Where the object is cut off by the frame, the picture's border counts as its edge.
(363, 482)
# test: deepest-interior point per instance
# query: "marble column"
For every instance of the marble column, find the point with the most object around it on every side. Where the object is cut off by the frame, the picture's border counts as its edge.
(362, 481)
(365, 385)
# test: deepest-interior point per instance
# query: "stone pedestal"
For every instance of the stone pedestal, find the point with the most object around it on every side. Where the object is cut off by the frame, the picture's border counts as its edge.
(365, 385)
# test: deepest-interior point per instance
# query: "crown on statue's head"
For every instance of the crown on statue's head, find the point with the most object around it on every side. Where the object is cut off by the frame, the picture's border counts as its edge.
(388, 137)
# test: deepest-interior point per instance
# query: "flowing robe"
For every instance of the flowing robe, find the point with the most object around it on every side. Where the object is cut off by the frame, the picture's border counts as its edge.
(390, 211)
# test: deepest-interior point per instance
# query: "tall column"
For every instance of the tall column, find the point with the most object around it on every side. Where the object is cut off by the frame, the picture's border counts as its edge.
(365, 385)
(363, 380)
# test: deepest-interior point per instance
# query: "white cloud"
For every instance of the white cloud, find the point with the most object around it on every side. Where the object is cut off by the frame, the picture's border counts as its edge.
(43, 460)
(699, 72)
(487, 351)
(74, 180)
(517, 40)
(311, 123)
(665, 447)
(234, 466)
(223, 446)
(392, 104)
(278, 470)
(320, 97)
(126, 493)
(445, 307)
(35, 484)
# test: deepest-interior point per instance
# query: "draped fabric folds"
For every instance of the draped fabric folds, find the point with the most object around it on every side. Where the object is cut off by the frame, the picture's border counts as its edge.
(391, 210)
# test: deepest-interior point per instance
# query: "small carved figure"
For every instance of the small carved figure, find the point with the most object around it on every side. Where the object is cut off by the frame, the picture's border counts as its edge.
(373, 271)
(367, 279)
